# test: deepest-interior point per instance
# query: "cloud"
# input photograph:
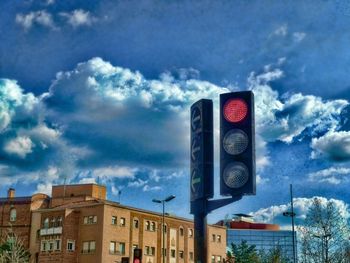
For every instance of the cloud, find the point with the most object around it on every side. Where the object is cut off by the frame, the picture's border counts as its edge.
(274, 214)
(148, 188)
(41, 17)
(87, 180)
(114, 172)
(20, 146)
(124, 117)
(103, 121)
(334, 145)
(281, 31)
(261, 180)
(333, 175)
(299, 36)
(287, 117)
(78, 18)
(137, 183)
(15, 106)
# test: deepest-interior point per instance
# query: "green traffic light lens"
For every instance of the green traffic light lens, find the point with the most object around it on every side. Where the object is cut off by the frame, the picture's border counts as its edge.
(236, 175)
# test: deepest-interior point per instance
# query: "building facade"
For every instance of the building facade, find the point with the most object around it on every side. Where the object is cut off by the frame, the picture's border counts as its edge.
(265, 237)
(78, 224)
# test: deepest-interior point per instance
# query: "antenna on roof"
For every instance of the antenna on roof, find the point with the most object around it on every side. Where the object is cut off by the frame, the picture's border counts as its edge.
(64, 187)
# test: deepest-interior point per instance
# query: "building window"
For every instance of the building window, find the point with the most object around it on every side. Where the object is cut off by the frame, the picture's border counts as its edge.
(150, 251)
(153, 226)
(172, 253)
(122, 221)
(133, 248)
(148, 225)
(190, 232)
(43, 246)
(181, 254)
(89, 246)
(212, 259)
(59, 221)
(113, 247)
(164, 251)
(181, 231)
(213, 237)
(147, 249)
(122, 248)
(90, 220)
(218, 238)
(51, 245)
(164, 227)
(70, 245)
(46, 223)
(58, 244)
(218, 259)
(53, 222)
(191, 256)
(114, 220)
(13, 215)
(136, 223)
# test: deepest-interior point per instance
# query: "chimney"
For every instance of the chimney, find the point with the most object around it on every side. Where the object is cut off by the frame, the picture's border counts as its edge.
(11, 193)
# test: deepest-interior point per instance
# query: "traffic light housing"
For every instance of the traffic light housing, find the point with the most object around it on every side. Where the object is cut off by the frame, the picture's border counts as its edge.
(202, 167)
(237, 144)
(137, 255)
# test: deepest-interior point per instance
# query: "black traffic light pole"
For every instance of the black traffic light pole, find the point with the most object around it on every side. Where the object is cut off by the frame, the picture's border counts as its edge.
(237, 128)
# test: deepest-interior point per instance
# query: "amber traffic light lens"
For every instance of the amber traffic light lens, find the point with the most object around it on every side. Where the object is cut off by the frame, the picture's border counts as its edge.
(235, 141)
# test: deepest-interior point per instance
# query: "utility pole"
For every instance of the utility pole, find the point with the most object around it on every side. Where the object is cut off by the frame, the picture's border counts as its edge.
(292, 215)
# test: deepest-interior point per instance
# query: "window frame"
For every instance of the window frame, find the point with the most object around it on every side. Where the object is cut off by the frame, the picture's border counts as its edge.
(72, 242)
(13, 214)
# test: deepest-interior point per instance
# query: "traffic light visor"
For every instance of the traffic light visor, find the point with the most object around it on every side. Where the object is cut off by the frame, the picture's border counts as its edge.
(235, 110)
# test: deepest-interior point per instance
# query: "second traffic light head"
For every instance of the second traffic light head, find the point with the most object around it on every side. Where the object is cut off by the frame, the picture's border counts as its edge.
(237, 144)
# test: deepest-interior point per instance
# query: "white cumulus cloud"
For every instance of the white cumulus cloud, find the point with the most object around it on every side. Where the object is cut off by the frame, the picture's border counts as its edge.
(79, 17)
(41, 17)
(333, 175)
(274, 214)
(334, 145)
(20, 146)
(285, 118)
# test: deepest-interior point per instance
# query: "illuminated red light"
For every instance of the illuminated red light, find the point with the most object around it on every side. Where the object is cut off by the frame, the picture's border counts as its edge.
(235, 110)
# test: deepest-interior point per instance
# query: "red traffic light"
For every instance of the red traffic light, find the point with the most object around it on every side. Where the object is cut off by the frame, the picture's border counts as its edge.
(235, 110)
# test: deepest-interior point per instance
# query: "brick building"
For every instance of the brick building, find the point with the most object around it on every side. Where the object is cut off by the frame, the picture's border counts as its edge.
(15, 214)
(78, 224)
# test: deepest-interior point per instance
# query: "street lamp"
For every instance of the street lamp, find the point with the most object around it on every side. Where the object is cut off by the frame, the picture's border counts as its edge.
(292, 215)
(324, 243)
(169, 198)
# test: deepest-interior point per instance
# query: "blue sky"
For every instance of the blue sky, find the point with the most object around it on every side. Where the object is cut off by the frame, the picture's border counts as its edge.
(100, 91)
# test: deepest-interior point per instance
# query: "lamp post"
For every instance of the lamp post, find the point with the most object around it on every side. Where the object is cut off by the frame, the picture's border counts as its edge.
(292, 215)
(169, 198)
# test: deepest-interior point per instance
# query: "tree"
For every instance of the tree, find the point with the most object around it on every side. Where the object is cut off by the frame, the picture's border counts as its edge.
(275, 255)
(324, 235)
(12, 250)
(243, 253)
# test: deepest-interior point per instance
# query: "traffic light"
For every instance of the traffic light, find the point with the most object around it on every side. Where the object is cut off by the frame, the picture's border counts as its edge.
(137, 255)
(237, 144)
(201, 178)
